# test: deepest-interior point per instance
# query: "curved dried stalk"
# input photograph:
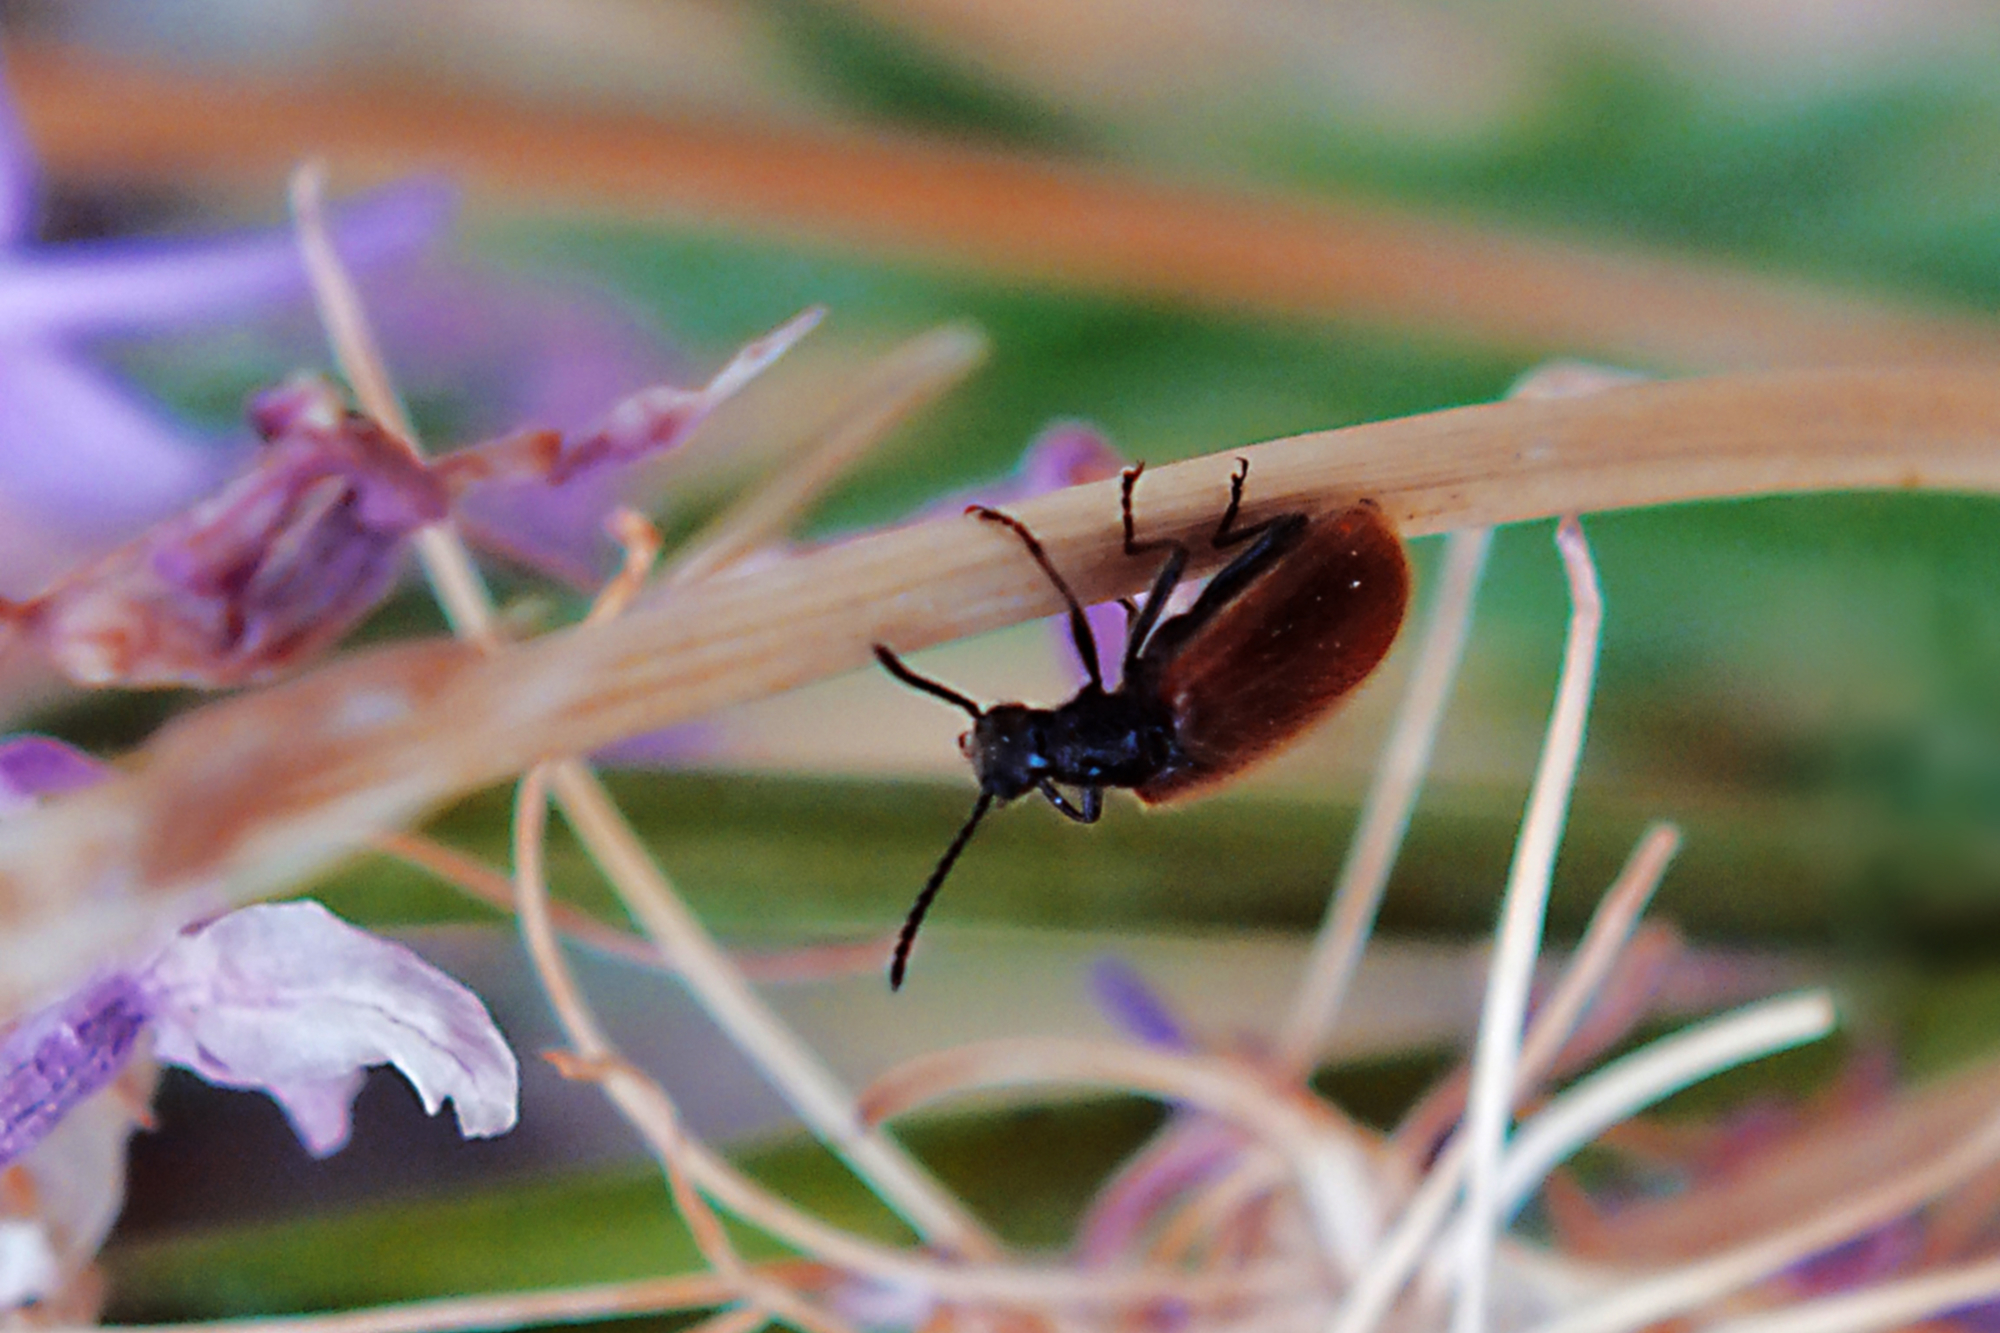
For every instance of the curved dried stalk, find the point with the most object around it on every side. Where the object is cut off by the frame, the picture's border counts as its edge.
(1664, 1294)
(1489, 1102)
(1889, 1305)
(1083, 226)
(1385, 814)
(1327, 1156)
(252, 794)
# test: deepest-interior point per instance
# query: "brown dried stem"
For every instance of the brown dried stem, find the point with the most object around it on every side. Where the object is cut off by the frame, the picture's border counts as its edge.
(252, 794)
(1016, 216)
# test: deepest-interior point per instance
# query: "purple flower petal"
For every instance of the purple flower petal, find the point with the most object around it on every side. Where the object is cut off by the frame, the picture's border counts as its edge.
(34, 766)
(53, 1060)
(277, 566)
(18, 177)
(521, 351)
(1133, 1007)
(132, 285)
(288, 998)
(83, 466)
(646, 423)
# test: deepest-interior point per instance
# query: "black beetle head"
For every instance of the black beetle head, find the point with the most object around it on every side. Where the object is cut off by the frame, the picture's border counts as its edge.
(1007, 750)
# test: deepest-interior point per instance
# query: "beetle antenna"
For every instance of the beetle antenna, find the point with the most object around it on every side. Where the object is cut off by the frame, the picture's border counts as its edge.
(900, 962)
(894, 666)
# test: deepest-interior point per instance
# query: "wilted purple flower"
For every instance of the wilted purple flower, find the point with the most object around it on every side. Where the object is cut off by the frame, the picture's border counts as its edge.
(282, 997)
(287, 558)
(35, 766)
(83, 462)
(60, 1056)
(290, 999)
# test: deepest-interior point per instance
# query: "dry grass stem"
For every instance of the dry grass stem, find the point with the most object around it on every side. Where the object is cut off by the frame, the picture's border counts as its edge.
(1326, 1154)
(1647, 1299)
(247, 796)
(483, 883)
(1385, 814)
(1424, 1215)
(639, 541)
(1890, 1305)
(795, 1071)
(1015, 216)
(461, 590)
(1658, 1070)
(1262, 1204)
(1604, 939)
(640, 1101)
(1249, 1182)
(1496, 1059)
(893, 389)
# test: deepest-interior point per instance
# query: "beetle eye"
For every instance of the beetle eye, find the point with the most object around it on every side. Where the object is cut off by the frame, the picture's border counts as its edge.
(965, 743)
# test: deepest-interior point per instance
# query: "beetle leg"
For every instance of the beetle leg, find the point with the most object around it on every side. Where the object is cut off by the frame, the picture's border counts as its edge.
(1091, 807)
(1127, 481)
(1079, 624)
(1138, 628)
(1226, 532)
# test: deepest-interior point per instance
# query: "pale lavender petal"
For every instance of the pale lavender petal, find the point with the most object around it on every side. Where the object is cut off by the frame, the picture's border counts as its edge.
(639, 426)
(319, 1109)
(528, 352)
(28, 1267)
(54, 1059)
(1065, 453)
(1107, 630)
(1872, 1257)
(517, 349)
(77, 1173)
(1981, 1318)
(84, 466)
(637, 429)
(1133, 1007)
(18, 177)
(135, 285)
(674, 747)
(35, 766)
(288, 998)
(265, 573)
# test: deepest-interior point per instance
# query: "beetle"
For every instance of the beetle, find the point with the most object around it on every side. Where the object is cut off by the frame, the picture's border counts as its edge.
(1276, 639)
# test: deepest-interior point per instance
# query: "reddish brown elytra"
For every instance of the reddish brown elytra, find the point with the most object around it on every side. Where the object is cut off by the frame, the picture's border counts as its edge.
(1272, 643)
